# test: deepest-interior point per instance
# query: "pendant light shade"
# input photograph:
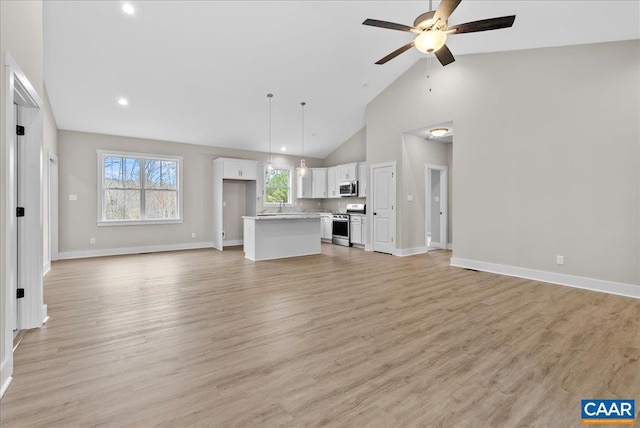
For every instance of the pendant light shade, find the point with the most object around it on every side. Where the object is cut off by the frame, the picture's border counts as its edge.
(270, 158)
(302, 170)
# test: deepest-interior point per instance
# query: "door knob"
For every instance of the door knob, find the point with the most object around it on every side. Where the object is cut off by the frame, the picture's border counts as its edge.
(375, 213)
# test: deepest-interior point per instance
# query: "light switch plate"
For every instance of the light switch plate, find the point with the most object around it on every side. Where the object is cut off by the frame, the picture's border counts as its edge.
(73, 197)
(409, 198)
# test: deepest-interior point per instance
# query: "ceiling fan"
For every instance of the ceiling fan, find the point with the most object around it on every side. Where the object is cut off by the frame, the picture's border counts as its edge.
(432, 30)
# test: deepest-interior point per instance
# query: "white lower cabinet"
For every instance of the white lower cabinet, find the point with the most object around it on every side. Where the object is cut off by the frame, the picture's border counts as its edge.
(357, 232)
(327, 227)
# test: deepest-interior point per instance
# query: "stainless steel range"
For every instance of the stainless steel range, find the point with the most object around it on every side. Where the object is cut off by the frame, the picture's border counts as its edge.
(341, 227)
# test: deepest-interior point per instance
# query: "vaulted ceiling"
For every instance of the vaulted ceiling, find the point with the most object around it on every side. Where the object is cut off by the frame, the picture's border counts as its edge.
(199, 71)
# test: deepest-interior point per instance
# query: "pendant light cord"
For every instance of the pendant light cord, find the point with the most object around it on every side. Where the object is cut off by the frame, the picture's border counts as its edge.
(303, 104)
(269, 96)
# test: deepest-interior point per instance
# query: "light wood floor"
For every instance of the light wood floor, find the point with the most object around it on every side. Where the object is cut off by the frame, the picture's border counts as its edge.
(345, 338)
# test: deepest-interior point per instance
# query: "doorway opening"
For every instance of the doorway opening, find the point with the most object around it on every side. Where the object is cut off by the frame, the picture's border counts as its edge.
(436, 209)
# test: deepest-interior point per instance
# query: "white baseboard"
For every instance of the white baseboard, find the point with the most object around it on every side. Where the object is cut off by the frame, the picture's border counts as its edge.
(5, 385)
(620, 289)
(46, 267)
(232, 243)
(450, 247)
(133, 250)
(402, 252)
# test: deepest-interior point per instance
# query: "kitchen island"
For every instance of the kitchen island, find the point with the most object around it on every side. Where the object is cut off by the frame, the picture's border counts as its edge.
(277, 236)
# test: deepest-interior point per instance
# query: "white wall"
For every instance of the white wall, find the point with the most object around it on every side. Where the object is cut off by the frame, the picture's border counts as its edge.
(20, 35)
(534, 132)
(78, 175)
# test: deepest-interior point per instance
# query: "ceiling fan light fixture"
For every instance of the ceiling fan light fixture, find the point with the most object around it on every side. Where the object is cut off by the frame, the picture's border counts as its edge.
(438, 132)
(430, 41)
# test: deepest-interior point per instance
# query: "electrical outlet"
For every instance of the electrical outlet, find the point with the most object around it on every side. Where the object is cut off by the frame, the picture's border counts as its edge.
(73, 197)
(193, 235)
(92, 240)
(560, 260)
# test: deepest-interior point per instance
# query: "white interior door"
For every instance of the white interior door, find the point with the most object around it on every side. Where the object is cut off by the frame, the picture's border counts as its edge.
(384, 204)
(436, 209)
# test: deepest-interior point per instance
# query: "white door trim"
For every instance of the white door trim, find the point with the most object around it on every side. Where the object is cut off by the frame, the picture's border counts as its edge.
(19, 90)
(372, 193)
(52, 199)
(444, 205)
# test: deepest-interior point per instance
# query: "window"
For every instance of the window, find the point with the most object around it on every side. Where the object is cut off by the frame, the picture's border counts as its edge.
(136, 188)
(277, 186)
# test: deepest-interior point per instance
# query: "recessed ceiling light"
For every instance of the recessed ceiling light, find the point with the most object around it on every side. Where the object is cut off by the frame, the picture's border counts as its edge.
(128, 9)
(284, 149)
(438, 132)
(123, 101)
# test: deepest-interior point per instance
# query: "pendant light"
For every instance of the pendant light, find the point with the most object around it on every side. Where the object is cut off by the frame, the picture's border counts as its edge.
(302, 171)
(270, 158)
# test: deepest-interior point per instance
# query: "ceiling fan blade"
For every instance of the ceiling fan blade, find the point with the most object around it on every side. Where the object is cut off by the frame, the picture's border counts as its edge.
(445, 9)
(483, 25)
(395, 53)
(444, 55)
(390, 25)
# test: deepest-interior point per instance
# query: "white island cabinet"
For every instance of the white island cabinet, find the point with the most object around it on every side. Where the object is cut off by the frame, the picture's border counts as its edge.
(279, 236)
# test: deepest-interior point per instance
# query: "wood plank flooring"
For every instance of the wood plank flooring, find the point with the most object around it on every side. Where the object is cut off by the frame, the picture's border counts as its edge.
(344, 338)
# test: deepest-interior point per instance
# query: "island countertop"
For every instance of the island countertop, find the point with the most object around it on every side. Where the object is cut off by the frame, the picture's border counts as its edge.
(283, 216)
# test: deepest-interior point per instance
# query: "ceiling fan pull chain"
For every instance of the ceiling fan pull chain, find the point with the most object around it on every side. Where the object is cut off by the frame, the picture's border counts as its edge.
(429, 71)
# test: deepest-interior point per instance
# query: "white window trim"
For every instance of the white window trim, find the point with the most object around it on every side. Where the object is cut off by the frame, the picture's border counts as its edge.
(101, 154)
(291, 201)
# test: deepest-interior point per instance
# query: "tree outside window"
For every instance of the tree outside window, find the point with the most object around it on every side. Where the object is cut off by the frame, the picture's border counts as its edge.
(278, 186)
(132, 193)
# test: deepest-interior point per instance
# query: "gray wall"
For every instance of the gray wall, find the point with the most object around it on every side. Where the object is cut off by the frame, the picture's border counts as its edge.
(50, 143)
(235, 207)
(352, 150)
(416, 152)
(532, 128)
(78, 175)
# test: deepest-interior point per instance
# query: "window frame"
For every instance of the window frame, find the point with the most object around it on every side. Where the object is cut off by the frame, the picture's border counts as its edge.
(142, 157)
(290, 202)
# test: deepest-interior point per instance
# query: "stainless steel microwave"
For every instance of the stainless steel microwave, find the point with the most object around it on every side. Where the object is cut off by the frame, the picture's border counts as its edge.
(349, 188)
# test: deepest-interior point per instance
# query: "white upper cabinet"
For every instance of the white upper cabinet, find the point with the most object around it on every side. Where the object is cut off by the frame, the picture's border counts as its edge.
(318, 182)
(348, 172)
(362, 179)
(239, 169)
(333, 187)
(304, 185)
